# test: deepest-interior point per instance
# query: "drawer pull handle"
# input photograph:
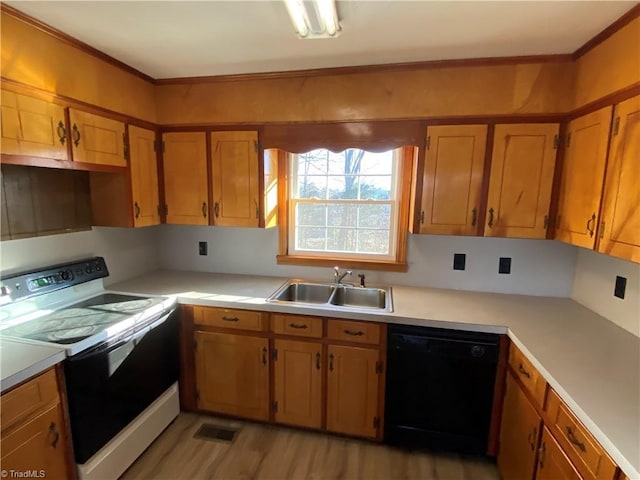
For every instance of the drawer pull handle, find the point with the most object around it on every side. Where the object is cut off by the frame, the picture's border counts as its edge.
(230, 319)
(62, 132)
(522, 370)
(572, 438)
(136, 209)
(331, 362)
(317, 360)
(56, 434)
(474, 217)
(542, 454)
(531, 439)
(490, 223)
(359, 333)
(590, 224)
(298, 325)
(264, 355)
(204, 209)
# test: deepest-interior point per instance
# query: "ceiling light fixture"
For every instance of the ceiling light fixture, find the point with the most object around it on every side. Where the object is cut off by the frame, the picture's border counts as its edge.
(320, 21)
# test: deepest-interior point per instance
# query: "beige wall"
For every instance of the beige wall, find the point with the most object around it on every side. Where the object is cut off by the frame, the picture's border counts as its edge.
(33, 57)
(611, 66)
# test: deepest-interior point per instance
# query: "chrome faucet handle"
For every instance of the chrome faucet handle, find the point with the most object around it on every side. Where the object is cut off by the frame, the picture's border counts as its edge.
(361, 277)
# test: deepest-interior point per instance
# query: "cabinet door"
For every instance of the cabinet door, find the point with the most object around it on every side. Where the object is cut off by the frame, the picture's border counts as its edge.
(185, 178)
(298, 383)
(582, 177)
(235, 179)
(519, 433)
(452, 179)
(232, 374)
(32, 127)
(521, 180)
(620, 226)
(553, 464)
(97, 139)
(38, 445)
(352, 391)
(144, 176)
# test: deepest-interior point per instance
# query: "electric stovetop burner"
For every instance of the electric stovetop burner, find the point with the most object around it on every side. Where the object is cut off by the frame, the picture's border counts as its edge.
(83, 319)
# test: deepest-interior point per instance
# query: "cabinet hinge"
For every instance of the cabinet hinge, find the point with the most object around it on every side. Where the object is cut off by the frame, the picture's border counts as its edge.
(275, 405)
(616, 125)
(255, 145)
(556, 142)
(376, 422)
(125, 146)
(568, 140)
(602, 224)
(428, 142)
(275, 354)
(379, 367)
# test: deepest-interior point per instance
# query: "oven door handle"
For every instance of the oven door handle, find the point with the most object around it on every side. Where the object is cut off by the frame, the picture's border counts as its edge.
(130, 335)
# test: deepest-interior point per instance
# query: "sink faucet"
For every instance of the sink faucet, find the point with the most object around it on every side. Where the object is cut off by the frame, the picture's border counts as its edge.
(338, 276)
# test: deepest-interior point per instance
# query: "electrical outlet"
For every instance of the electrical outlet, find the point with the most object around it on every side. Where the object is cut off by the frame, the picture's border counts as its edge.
(459, 260)
(202, 248)
(504, 265)
(621, 286)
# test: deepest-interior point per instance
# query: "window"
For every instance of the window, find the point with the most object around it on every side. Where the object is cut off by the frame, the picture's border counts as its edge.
(347, 205)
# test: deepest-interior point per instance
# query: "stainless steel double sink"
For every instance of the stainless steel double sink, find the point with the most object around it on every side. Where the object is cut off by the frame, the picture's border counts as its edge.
(333, 296)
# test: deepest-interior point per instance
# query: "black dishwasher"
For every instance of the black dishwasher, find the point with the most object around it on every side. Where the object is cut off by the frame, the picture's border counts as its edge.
(439, 391)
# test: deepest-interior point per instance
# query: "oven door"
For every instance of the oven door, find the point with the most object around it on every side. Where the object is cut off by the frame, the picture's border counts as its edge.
(111, 384)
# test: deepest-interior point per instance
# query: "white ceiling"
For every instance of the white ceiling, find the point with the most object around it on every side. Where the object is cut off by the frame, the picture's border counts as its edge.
(167, 39)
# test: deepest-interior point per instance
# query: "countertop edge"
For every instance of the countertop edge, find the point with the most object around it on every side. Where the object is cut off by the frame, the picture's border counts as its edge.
(31, 371)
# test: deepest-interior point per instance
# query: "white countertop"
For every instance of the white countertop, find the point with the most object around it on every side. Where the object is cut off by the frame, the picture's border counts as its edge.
(593, 364)
(20, 361)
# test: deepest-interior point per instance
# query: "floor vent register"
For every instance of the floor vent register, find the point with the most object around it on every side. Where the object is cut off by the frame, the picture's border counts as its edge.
(209, 431)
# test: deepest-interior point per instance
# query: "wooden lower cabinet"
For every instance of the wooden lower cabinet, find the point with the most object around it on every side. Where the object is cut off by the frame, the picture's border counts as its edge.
(519, 434)
(352, 390)
(298, 383)
(232, 374)
(35, 439)
(553, 464)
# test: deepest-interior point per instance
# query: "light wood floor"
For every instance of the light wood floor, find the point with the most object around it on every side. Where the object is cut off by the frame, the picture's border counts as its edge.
(275, 452)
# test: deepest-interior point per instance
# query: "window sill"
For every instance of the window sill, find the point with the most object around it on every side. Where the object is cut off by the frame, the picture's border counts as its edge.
(390, 266)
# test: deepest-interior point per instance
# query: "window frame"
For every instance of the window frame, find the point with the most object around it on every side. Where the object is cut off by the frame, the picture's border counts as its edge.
(405, 168)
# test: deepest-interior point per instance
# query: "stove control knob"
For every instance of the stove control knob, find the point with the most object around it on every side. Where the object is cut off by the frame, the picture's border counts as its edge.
(4, 290)
(89, 269)
(66, 275)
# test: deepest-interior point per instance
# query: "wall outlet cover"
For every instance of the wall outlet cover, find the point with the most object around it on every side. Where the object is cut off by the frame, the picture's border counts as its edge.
(504, 265)
(202, 248)
(459, 260)
(621, 286)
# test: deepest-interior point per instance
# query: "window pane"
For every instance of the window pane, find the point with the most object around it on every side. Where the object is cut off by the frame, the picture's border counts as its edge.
(373, 241)
(341, 239)
(377, 163)
(374, 216)
(343, 188)
(311, 214)
(309, 238)
(312, 163)
(312, 187)
(342, 215)
(375, 188)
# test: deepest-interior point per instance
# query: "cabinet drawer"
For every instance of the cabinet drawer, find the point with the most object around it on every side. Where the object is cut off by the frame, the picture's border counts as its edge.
(297, 325)
(20, 403)
(528, 375)
(582, 449)
(358, 332)
(229, 318)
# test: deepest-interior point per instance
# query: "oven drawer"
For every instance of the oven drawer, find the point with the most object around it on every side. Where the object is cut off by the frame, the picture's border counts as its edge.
(358, 332)
(583, 450)
(297, 325)
(530, 378)
(230, 318)
(21, 402)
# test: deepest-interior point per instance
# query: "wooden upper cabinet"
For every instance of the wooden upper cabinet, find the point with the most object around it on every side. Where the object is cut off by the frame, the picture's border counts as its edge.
(452, 179)
(352, 391)
(519, 434)
(521, 180)
(297, 383)
(619, 231)
(144, 176)
(32, 127)
(235, 179)
(97, 139)
(232, 374)
(185, 178)
(582, 177)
